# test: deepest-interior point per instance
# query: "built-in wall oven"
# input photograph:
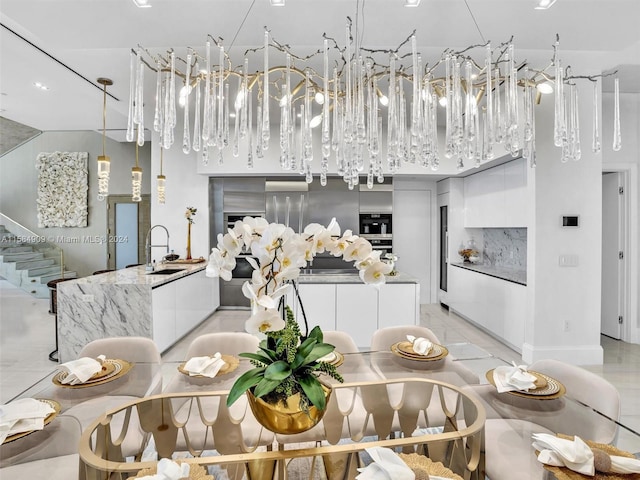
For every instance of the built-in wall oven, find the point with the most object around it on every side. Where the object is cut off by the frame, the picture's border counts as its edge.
(377, 228)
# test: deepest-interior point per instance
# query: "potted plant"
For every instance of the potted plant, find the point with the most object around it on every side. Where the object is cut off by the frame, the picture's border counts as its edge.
(288, 363)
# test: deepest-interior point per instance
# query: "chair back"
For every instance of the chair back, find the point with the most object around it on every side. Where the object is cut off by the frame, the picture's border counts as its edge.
(383, 338)
(590, 389)
(132, 349)
(231, 343)
(341, 340)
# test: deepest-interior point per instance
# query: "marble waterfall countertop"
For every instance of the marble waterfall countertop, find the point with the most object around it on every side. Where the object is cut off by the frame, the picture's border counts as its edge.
(139, 276)
(351, 277)
(503, 273)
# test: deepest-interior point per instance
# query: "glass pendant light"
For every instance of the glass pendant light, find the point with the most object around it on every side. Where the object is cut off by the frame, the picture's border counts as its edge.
(104, 162)
(136, 180)
(161, 182)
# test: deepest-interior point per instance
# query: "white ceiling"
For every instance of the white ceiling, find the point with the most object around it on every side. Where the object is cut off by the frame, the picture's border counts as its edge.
(58, 42)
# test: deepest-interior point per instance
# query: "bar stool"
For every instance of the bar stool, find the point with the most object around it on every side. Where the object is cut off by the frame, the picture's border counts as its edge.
(98, 272)
(132, 265)
(53, 309)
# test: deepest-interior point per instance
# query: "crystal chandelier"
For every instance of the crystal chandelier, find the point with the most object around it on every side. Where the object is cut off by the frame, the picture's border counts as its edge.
(488, 104)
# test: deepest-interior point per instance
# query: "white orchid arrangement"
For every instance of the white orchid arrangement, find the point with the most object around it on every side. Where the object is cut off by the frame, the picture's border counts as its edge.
(279, 254)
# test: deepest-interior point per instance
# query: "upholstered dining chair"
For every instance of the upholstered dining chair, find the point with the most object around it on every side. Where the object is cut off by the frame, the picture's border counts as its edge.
(341, 340)
(139, 350)
(508, 441)
(383, 338)
(50, 453)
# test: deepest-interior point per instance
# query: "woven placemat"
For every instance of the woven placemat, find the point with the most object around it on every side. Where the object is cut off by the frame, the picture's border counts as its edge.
(563, 473)
(423, 467)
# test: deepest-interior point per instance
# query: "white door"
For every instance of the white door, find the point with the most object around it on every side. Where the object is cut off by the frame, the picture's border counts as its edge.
(611, 263)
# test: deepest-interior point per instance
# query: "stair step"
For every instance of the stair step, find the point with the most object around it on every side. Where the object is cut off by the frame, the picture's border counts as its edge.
(21, 256)
(36, 272)
(34, 264)
(5, 250)
(44, 279)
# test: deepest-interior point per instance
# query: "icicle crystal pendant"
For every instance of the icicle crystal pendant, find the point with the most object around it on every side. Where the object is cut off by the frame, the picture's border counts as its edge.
(132, 91)
(596, 144)
(196, 121)
(266, 127)
(186, 136)
(617, 136)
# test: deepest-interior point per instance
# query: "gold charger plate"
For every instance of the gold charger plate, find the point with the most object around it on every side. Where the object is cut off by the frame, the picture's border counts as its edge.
(47, 420)
(401, 349)
(196, 472)
(231, 364)
(425, 468)
(337, 360)
(564, 473)
(549, 388)
(112, 369)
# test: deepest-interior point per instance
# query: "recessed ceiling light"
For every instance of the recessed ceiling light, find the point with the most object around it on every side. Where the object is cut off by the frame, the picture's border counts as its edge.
(277, 3)
(411, 3)
(544, 4)
(142, 3)
(41, 86)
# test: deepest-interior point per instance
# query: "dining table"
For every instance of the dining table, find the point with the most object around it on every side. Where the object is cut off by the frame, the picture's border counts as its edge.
(435, 409)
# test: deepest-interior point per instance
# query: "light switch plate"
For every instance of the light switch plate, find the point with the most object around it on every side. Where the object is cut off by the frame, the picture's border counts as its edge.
(568, 260)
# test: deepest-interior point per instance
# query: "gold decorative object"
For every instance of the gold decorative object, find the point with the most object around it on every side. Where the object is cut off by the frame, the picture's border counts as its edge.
(423, 467)
(231, 364)
(287, 418)
(189, 214)
(405, 350)
(112, 369)
(547, 388)
(47, 420)
(564, 473)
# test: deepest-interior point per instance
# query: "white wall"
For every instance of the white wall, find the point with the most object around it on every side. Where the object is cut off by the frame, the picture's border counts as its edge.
(563, 318)
(627, 159)
(19, 184)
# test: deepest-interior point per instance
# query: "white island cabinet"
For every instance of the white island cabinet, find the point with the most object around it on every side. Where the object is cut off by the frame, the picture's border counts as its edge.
(131, 302)
(345, 303)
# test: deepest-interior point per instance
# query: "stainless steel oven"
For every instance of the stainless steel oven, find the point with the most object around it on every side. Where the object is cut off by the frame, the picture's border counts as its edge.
(380, 242)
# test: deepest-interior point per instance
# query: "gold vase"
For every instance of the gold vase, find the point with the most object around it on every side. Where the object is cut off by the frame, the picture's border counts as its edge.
(287, 418)
(189, 241)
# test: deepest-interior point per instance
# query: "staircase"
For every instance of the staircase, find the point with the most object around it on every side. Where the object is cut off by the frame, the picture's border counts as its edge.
(29, 266)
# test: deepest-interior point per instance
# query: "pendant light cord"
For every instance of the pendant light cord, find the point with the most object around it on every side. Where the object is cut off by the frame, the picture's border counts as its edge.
(161, 149)
(104, 119)
(474, 21)
(136, 154)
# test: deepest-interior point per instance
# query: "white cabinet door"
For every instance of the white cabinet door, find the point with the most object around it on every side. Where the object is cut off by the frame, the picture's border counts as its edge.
(319, 302)
(397, 305)
(163, 309)
(484, 199)
(357, 312)
(195, 301)
(515, 193)
(515, 313)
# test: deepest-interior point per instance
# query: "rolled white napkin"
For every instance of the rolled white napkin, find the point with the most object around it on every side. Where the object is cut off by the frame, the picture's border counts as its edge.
(577, 455)
(386, 465)
(205, 366)
(81, 370)
(169, 470)
(329, 357)
(23, 415)
(421, 346)
(516, 377)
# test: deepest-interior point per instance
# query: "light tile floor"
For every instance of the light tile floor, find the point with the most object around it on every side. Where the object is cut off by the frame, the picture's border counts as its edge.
(27, 337)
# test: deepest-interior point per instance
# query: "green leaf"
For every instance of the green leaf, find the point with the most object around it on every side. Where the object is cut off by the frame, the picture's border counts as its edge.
(313, 389)
(269, 353)
(305, 347)
(316, 333)
(277, 371)
(264, 387)
(244, 383)
(319, 350)
(256, 356)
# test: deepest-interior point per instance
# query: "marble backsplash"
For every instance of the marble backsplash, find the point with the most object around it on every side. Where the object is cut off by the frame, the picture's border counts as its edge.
(505, 247)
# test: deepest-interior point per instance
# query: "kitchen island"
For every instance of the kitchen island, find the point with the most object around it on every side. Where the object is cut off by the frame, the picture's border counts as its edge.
(163, 305)
(342, 301)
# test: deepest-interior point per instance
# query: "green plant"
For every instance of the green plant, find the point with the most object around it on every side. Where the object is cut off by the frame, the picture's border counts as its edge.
(287, 363)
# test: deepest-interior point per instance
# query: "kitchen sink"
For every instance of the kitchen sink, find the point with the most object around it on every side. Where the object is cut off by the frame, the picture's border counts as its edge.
(166, 271)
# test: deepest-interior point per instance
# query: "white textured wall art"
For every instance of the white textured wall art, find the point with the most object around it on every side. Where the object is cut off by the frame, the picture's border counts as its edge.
(62, 189)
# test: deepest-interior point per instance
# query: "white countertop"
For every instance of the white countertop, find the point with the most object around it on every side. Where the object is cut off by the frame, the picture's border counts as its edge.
(139, 276)
(503, 273)
(351, 278)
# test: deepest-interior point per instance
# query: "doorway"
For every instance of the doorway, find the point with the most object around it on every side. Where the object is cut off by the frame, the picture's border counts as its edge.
(127, 225)
(614, 235)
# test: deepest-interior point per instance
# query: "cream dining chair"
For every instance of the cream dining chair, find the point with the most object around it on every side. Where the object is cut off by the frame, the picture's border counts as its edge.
(508, 441)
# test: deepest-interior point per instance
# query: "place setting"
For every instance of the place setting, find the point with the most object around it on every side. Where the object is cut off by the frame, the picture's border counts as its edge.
(206, 368)
(419, 349)
(88, 372)
(25, 416)
(519, 381)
